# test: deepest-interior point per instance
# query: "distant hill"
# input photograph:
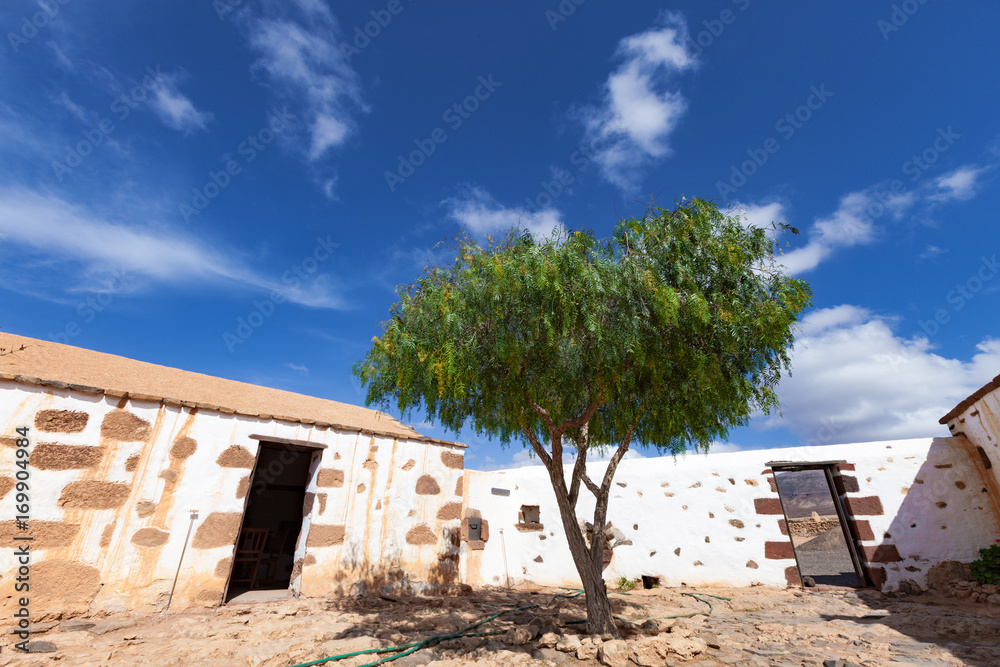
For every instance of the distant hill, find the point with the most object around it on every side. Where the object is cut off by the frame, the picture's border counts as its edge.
(804, 492)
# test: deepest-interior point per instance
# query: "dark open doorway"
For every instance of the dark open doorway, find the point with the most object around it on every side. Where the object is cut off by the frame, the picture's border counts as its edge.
(272, 520)
(824, 548)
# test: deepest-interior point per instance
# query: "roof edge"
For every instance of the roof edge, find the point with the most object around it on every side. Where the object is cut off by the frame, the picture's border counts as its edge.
(166, 400)
(967, 403)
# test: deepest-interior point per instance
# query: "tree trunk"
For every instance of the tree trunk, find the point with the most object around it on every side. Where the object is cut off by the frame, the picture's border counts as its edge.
(588, 564)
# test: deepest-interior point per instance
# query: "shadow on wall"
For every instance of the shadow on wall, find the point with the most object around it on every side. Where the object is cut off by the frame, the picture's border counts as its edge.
(432, 573)
(948, 510)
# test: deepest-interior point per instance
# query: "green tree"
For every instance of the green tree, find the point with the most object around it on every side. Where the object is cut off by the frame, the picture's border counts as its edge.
(665, 335)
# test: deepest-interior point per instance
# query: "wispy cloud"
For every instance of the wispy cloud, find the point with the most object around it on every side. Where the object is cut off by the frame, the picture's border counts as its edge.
(174, 108)
(298, 367)
(480, 214)
(849, 225)
(298, 53)
(640, 109)
(63, 232)
(932, 251)
(856, 218)
(959, 184)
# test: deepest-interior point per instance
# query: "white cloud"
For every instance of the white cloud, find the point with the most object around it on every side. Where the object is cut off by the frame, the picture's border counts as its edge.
(854, 380)
(65, 232)
(639, 111)
(858, 214)
(763, 216)
(301, 58)
(851, 224)
(932, 251)
(298, 367)
(959, 184)
(174, 108)
(479, 213)
(75, 109)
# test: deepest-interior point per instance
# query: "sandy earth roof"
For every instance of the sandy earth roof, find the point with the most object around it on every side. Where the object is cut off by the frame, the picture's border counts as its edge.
(967, 403)
(65, 366)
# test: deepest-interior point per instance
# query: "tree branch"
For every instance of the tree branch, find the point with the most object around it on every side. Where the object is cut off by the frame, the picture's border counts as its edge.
(582, 420)
(557, 462)
(589, 483)
(580, 468)
(543, 413)
(609, 473)
(537, 445)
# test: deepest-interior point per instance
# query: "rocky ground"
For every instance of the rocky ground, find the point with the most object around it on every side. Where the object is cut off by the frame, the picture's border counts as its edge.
(759, 627)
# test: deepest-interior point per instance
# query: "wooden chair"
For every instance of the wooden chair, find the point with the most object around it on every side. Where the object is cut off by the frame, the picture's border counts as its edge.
(272, 554)
(248, 554)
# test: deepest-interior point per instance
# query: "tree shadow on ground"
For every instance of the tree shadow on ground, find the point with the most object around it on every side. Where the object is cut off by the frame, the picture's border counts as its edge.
(522, 617)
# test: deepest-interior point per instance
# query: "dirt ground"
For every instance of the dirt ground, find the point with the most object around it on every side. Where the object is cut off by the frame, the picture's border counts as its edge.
(759, 627)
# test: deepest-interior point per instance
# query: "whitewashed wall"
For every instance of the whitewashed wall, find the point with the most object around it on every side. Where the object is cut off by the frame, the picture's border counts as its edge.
(99, 566)
(980, 423)
(697, 519)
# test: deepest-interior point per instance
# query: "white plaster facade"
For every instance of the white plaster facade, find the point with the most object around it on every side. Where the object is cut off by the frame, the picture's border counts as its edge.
(696, 519)
(978, 419)
(382, 507)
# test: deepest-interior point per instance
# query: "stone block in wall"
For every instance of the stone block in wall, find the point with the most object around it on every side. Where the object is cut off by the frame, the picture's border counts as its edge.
(767, 506)
(236, 457)
(452, 459)
(866, 506)
(325, 536)
(846, 484)
(219, 529)
(878, 576)
(845, 467)
(883, 553)
(778, 550)
(862, 530)
(61, 421)
(94, 495)
(123, 426)
(792, 577)
(51, 456)
(450, 512)
(330, 478)
(427, 486)
(44, 534)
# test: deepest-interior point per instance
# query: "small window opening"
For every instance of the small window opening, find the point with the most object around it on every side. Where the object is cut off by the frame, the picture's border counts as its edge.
(529, 518)
(530, 514)
(650, 582)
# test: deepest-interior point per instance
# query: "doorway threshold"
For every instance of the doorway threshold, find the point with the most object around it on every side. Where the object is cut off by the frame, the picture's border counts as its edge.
(251, 597)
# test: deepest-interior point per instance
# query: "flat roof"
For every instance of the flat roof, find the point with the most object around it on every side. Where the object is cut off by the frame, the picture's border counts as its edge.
(75, 368)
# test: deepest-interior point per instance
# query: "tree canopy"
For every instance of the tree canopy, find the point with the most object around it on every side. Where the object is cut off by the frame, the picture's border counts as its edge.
(674, 330)
(667, 334)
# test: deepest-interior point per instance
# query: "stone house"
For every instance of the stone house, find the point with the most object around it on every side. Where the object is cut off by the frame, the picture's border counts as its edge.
(138, 473)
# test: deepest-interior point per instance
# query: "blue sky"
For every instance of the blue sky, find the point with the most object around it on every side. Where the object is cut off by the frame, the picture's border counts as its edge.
(236, 187)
